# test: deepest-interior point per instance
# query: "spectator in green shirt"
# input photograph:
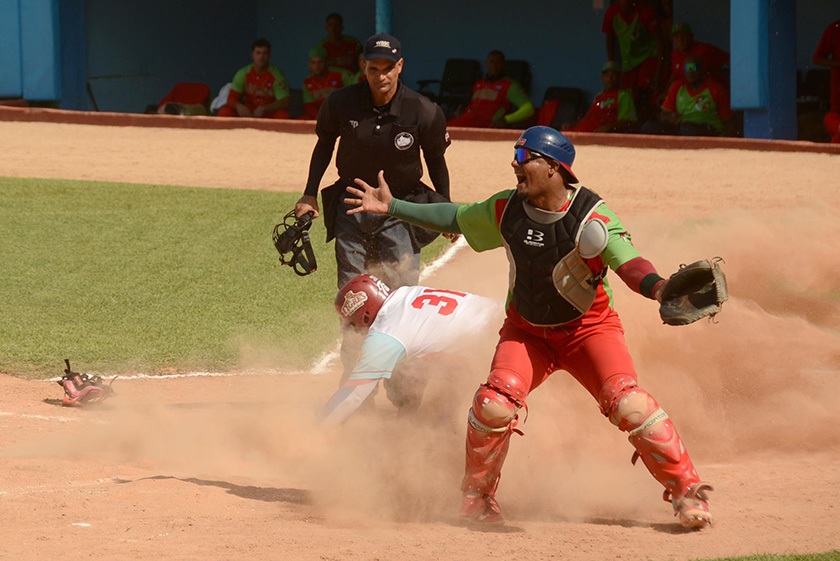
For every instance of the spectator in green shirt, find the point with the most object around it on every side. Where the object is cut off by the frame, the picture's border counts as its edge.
(695, 106)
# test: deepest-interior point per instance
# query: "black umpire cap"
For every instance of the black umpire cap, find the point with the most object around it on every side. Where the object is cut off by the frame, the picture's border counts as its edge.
(384, 46)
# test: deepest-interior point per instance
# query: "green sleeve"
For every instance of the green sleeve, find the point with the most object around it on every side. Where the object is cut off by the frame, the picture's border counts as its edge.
(479, 223)
(619, 248)
(440, 217)
(348, 78)
(305, 93)
(626, 106)
(281, 87)
(238, 84)
(519, 99)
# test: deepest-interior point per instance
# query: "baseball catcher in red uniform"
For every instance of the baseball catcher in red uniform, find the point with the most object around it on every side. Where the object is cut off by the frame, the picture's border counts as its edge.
(561, 239)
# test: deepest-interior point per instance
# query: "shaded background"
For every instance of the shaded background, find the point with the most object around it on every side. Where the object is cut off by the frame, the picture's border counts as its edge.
(131, 53)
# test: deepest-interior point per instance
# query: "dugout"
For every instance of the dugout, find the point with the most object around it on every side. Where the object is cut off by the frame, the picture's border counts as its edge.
(125, 55)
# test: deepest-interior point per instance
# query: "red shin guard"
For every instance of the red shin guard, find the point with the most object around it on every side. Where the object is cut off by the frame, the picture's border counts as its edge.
(492, 420)
(662, 451)
(652, 434)
(486, 452)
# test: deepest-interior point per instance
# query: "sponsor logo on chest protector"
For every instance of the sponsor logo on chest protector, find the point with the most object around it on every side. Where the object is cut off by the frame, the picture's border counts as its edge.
(535, 238)
(403, 141)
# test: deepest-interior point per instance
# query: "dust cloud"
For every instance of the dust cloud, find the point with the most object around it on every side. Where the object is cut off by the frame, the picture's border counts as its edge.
(755, 381)
(758, 381)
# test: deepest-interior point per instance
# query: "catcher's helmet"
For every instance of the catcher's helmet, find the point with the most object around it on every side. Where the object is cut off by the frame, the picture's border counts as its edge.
(359, 300)
(550, 143)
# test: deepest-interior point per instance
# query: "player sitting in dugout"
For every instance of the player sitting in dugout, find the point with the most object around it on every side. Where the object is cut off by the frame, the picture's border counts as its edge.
(408, 323)
(612, 110)
(714, 59)
(695, 106)
(259, 89)
(342, 50)
(321, 82)
(498, 101)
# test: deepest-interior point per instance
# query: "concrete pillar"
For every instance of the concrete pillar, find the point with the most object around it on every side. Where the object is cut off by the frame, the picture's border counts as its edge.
(763, 65)
(383, 16)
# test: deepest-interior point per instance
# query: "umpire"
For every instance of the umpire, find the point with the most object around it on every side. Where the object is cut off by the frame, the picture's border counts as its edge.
(383, 125)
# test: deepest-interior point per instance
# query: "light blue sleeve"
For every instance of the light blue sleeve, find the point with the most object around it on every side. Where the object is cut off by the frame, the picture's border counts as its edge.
(345, 401)
(380, 355)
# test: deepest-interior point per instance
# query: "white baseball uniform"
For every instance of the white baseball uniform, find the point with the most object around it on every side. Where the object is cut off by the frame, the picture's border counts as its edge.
(414, 321)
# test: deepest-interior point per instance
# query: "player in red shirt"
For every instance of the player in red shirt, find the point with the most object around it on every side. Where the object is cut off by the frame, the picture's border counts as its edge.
(827, 54)
(714, 59)
(321, 82)
(612, 110)
(259, 89)
(694, 106)
(493, 98)
(342, 50)
(634, 28)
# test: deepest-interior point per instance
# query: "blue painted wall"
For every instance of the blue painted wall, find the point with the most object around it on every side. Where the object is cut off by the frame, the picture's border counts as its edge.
(293, 33)
(40, 52)
(749, 62)
(562, 40)
(30, 50)
(137, 50)
(11, 79)
(73, 54)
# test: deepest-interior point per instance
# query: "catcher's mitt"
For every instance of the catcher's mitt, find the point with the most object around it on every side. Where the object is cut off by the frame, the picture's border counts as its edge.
(694, 292)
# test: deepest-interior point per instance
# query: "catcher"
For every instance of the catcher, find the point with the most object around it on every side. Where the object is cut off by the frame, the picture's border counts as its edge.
(561, 239)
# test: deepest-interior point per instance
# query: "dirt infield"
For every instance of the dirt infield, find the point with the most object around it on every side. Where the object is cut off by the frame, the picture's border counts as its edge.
(233, 468)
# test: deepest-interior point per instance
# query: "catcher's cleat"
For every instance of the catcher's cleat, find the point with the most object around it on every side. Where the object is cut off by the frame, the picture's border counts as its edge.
(481, 508)
(693, 508)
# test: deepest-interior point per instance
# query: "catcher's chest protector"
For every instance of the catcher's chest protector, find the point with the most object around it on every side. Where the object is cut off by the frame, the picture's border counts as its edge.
(539, 251)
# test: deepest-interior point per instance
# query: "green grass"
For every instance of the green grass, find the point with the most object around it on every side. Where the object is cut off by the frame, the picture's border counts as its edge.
(828, 556)
(123, 277)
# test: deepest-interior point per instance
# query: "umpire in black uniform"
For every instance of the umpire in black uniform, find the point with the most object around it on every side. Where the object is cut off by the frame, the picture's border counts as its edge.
(383, 125)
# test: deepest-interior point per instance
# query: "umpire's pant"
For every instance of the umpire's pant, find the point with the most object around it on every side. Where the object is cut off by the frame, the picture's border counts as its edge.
(376, 244)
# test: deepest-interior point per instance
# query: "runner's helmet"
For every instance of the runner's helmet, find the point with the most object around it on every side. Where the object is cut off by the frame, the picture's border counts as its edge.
(359, 300)
(551, 143)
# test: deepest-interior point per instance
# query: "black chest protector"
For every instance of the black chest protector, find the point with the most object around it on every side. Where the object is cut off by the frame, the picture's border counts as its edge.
(536, 250)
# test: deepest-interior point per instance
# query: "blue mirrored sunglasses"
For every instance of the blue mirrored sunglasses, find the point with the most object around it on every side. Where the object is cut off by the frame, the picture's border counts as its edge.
(691, 67)
(523, 155)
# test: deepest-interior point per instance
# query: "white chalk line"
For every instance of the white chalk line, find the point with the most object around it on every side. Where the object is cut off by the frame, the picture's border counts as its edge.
(39, 417)
(46, 488)
(447, 256)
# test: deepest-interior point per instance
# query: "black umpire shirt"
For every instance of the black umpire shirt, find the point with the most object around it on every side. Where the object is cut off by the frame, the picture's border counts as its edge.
(386, 138)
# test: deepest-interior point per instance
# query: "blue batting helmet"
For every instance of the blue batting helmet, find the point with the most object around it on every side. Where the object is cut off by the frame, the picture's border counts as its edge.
(551, 143)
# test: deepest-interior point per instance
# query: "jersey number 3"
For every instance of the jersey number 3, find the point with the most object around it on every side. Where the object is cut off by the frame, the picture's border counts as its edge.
(445, 304)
